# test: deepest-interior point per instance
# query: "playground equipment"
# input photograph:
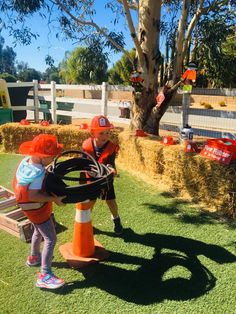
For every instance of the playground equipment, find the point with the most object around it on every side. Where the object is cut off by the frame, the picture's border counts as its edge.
(4, 95)
(18, 97)
(5, 103)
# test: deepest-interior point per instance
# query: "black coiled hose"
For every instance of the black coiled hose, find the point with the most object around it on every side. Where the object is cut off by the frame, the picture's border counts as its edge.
(91, 177)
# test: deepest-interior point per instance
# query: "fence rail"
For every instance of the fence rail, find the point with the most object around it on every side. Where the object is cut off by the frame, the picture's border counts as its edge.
(211, 123)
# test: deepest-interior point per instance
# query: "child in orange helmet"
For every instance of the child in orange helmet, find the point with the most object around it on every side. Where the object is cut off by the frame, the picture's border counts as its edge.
(104, 151)
(28, 185)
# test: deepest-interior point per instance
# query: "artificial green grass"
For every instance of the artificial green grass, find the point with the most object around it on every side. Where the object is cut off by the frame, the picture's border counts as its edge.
(172, 258)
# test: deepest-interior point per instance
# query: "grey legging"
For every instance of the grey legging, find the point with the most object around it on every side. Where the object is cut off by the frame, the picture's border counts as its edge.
(47, 232)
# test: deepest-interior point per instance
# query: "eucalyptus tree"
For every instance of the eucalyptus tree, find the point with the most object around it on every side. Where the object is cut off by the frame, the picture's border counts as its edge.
(143, 18)
(7, 58)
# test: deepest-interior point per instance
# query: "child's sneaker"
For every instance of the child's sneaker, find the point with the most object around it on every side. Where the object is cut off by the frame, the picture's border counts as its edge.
(118, 229)
(49, 281)
(33, 260)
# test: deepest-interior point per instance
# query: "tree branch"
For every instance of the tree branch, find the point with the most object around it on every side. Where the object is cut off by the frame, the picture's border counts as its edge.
(133, 32)
(132, 5)
(191, 27)
(91, 23)
(180, 39)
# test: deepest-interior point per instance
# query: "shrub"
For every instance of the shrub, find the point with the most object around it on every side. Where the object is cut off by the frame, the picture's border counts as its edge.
(222, 104)
(207, 106)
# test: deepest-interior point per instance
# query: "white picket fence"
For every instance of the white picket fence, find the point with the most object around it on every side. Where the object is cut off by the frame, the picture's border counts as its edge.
(211, 123)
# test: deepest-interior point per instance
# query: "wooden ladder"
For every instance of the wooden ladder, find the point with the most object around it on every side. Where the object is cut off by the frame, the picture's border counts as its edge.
(12, 218)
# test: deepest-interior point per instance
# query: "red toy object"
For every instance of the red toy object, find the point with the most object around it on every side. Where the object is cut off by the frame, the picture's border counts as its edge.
(222, 150)
(190, 147)
(140, 133)
(24, 122)
(84, 126)
(167, 140)
(44, 123)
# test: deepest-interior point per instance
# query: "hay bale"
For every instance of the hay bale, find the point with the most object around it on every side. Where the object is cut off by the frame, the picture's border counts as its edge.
(13, 134)
(185, 174)
(141, 154)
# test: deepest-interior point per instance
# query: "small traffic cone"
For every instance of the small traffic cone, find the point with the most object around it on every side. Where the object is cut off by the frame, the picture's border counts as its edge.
(167, 140)
(190, 147)
(84, 249)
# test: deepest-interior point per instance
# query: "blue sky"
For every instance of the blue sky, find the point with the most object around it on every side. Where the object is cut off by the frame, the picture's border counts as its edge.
(47, 43)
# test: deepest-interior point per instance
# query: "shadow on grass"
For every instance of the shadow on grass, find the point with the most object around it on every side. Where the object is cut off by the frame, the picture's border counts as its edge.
(198, 217)
(151, 282)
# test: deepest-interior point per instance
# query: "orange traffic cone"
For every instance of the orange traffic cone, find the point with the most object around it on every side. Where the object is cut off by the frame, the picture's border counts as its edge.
(84, 249)
(190, 147)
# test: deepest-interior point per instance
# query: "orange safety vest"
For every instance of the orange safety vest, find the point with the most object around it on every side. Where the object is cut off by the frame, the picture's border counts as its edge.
(107, 152)
(36, 212)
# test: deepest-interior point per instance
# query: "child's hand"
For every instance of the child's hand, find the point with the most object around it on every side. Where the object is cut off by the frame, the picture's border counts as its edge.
(58, 200)
(113, 170)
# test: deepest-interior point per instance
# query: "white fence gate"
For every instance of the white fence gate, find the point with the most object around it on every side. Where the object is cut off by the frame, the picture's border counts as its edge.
(210, 123)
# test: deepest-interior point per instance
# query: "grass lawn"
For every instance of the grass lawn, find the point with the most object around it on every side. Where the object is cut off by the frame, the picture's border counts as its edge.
(172, 258)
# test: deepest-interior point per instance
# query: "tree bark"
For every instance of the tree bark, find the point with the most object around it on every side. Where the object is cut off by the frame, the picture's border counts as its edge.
(148, 64)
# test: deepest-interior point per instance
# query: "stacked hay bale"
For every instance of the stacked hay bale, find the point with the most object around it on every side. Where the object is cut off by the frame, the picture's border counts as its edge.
(13, 134)
(188, 174)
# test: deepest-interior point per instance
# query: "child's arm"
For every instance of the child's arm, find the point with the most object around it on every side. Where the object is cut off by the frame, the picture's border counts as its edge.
(39, 196)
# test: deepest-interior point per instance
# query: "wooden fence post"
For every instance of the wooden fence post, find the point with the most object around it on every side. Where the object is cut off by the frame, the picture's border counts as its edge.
(185, 106)
(53, 102)
(104, 99)
(36, 101)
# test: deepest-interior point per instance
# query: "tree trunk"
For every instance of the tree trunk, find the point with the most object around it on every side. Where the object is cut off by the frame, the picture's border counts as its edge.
(148, 35)
(153, 121)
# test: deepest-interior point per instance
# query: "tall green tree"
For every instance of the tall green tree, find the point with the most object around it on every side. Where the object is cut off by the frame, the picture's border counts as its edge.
(28, 75)
(216, 52)
(78, 20)
(51, 74)
(7, 58)
(120, 72)
(85, 65)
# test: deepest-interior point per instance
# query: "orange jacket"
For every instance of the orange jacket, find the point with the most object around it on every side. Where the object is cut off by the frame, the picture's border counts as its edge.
(36, 212)
(108, 151)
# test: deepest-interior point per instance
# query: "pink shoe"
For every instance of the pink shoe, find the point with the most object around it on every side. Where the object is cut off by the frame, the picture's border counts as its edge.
(33, 260)
(49, 281)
